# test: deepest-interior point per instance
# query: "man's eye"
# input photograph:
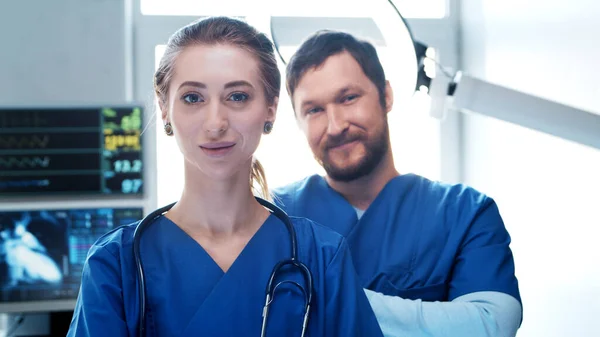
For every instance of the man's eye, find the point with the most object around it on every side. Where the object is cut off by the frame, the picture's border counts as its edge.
(349, 98)
(313, 111)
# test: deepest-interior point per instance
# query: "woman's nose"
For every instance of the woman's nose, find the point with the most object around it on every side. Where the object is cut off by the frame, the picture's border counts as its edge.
(216, 121)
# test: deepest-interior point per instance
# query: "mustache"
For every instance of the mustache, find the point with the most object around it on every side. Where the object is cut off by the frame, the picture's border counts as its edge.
(341, 139)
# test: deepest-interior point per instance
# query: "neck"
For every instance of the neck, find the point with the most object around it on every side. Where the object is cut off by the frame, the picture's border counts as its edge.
(217, 207)
(361, 192)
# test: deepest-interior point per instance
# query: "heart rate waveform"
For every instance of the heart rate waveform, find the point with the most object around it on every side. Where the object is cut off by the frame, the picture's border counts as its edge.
(64, 150)
(49, 118)
(51, 162)
(15, 163)
(24, 142)
(66, 141)
(73, 183)
(18, 118)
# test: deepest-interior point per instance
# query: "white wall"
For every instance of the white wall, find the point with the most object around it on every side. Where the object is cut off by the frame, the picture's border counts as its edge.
(62, 51)
(548, 189)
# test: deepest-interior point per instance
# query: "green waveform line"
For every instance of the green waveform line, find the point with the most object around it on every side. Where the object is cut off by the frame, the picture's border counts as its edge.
(24, 162)
(30, 142)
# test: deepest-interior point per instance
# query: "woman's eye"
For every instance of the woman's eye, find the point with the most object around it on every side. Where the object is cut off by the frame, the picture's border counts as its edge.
(192, 98)
(238, 97)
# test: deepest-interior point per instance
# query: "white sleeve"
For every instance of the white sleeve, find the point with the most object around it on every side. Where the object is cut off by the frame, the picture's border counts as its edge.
(479, 314)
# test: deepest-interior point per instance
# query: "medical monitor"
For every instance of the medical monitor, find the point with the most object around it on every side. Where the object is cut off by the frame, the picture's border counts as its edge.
(42, 254)
(71, 151)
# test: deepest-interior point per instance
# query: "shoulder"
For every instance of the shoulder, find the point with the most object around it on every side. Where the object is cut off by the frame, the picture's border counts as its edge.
(451, 207)
(117, 242)
(293, 190)
(454, 197)
(109, 261)
(318, 238)
(298, 185)
(323, 235)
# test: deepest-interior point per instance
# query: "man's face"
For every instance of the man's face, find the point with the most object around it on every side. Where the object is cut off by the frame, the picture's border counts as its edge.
(339, 110)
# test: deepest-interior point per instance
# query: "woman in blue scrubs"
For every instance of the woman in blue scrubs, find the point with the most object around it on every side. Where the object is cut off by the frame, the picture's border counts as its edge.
(208, 260)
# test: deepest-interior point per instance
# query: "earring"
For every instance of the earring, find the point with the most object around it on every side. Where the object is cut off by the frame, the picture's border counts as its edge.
(168, 129)
(268, 127)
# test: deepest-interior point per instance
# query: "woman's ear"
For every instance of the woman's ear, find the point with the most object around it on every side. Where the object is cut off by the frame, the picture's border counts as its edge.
(163, 111)
(272, 110)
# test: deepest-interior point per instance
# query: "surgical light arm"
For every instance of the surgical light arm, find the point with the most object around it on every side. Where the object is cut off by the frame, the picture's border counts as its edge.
(472, 95)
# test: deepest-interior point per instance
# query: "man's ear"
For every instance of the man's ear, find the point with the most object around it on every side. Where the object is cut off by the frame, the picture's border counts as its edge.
(389, 97)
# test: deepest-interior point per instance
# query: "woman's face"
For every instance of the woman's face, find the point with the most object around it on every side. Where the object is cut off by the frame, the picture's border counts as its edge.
(217, 108)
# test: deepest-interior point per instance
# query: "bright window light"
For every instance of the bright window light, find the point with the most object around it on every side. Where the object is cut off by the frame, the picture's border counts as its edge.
(169, 164)
(311, 8)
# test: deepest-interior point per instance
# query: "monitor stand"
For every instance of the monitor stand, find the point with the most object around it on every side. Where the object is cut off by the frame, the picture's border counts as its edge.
(32, 324)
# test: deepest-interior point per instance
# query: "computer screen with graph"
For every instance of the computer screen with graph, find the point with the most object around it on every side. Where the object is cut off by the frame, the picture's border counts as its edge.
(49, 151)
(42, 254)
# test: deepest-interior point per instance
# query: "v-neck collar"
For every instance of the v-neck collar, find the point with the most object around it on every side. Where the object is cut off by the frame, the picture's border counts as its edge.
(187, 240)
(179, 270)
(322, 183)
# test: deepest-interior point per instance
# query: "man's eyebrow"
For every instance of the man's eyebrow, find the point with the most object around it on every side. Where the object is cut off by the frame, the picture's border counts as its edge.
(305, 104)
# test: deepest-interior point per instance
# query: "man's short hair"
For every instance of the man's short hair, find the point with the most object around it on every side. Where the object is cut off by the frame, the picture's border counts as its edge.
(325, 43)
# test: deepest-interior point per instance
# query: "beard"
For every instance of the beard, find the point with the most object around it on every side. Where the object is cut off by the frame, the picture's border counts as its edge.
(375, 151)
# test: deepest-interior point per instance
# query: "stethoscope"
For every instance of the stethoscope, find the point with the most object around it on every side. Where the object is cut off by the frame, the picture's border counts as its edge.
(271, 288)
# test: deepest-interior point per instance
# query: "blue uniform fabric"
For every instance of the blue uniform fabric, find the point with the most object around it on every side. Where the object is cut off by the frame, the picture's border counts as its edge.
(418, 239)
(190, 295)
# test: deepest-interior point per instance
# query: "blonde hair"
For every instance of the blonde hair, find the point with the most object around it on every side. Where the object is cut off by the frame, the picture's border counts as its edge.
(258, 177)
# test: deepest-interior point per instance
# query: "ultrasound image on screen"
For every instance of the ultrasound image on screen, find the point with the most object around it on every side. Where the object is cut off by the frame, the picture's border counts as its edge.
(42, 252)
(33, 247)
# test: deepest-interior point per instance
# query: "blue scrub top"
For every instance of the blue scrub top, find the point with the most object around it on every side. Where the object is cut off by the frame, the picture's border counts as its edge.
(419, 239)
(188, 294)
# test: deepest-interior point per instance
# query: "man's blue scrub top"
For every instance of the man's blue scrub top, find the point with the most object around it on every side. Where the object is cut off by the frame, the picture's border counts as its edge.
(419, 239)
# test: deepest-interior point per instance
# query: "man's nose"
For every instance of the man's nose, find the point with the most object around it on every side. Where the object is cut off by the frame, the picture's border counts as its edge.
(337, 122)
